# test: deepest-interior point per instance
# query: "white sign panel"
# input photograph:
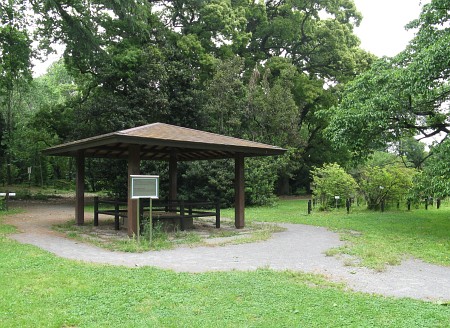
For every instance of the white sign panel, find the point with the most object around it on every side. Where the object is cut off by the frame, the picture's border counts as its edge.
(144, 186)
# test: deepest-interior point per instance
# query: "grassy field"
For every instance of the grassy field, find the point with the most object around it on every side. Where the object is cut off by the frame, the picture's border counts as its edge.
(376, 238)
(42, 290)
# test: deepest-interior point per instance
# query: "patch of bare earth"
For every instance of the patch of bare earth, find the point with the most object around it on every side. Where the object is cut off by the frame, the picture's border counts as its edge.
(203, 233)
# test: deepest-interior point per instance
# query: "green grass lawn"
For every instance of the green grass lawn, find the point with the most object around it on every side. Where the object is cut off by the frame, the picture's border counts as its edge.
(376, 238)
(41, 290)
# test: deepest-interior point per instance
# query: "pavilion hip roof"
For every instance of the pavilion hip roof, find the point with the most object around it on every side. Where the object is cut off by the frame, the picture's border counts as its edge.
(158, 141)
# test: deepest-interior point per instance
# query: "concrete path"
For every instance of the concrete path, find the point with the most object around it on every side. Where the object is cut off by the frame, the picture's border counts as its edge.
(299, 248)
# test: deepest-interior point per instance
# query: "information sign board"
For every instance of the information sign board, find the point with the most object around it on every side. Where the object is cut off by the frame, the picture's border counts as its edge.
(144, 186)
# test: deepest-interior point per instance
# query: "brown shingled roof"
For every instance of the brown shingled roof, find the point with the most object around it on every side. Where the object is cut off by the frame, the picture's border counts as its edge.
(159, 140)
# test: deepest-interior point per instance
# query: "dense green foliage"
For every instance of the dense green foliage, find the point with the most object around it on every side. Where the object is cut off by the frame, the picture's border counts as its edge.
(382, 179)
(434, 180)
(401, 97)
(256, 70)
(282, 73)
(15, 74)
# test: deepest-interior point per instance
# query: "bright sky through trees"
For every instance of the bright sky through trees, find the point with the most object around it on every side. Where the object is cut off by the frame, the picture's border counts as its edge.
(382, 30)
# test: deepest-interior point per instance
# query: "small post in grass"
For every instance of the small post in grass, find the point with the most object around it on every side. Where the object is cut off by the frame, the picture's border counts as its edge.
(29, 176)
(426, 203)
(337, 199)
(309, 206)
(347, 204)
(438, 203)
(409, 204)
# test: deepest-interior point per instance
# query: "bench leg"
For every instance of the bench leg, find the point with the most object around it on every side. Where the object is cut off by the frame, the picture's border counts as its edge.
(116, 222)
(217, 215)
(182, 223)
(96, 211)
(116, 217)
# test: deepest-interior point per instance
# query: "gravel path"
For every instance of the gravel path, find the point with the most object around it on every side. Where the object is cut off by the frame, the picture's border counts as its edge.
(299, 248)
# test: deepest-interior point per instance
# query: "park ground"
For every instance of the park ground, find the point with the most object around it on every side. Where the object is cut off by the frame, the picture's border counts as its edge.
(398, 259)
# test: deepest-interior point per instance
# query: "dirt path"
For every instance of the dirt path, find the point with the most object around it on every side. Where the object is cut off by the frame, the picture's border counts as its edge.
(299, 248)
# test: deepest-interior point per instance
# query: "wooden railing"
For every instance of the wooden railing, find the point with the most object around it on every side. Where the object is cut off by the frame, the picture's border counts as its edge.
(5, 199)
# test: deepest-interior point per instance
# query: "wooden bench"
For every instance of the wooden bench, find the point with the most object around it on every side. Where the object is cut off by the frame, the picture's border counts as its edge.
(116, 212)
(161, 210)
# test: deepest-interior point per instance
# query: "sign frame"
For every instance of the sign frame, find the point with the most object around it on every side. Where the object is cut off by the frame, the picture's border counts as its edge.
(138, 191)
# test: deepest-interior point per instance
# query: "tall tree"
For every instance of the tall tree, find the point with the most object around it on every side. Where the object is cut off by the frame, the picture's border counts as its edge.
(317, 40)
(401, 96)
(226, 94)
(15, 70)
(142, 61)
(109, 52)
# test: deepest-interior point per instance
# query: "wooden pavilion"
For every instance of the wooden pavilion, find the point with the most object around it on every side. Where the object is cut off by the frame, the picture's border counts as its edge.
(159, 141)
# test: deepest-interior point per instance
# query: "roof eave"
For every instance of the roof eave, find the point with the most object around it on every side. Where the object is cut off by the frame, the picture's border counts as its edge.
(70, 149)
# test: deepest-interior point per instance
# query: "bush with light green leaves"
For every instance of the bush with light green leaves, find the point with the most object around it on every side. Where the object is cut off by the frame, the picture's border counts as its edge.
(331, 180)
(383, 184)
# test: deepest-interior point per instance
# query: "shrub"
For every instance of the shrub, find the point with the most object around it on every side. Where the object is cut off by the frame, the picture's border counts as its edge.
(434, 180)
(380, 184)
(331, 180)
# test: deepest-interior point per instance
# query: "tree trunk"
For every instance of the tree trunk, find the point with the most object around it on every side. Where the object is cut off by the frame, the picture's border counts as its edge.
(8, 137)
(283, 187)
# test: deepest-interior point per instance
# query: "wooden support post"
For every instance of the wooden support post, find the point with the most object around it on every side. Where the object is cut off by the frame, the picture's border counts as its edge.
(173, 181)
(217, 215)
(96, 211)
(173, 171)
(133, 169)
(182, 223)
(239, 191)
(116, 215)
(79, 194)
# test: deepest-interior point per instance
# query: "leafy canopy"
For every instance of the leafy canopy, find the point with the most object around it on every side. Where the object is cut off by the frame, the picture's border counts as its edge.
(402, 96)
